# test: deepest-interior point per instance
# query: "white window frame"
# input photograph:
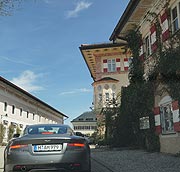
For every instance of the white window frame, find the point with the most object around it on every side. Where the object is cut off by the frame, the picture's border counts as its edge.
(176, 20)
(111, 63)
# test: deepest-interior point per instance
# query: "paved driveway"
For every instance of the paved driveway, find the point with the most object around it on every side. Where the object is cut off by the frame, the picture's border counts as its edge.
(134, 161)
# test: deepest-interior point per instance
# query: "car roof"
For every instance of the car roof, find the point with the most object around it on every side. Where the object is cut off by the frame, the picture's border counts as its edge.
(38, 125)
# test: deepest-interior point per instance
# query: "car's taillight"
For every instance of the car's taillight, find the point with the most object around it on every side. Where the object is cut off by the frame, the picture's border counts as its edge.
(47, 132)
(76, 144)
(18, 146)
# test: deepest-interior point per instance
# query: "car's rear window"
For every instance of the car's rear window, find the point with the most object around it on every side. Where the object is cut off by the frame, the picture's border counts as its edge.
(47, 130)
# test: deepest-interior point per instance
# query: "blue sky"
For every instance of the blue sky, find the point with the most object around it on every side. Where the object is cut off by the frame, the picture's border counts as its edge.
(39, 48)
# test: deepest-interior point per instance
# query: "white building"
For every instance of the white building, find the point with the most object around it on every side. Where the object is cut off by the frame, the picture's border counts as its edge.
(20, 108)
(86, 123)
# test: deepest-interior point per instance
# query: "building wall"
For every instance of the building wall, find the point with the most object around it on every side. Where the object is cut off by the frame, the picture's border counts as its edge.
(121, 75)
(169, 139)
(102, 89)
(122, 64)
(87, 128)
(26, 110)
(170, 143)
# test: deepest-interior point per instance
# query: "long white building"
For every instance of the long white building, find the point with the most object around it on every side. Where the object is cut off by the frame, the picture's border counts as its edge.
(86, 123)
(20, 108)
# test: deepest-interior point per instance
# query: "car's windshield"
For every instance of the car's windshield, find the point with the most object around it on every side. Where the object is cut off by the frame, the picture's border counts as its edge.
(47, 129)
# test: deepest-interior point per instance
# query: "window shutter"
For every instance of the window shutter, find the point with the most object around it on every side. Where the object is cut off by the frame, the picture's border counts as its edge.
(153, 38)
(157, 118)
(176, 116)
(105, 67)
(141, 52)
(118, 65)
(165, 26)
(126, 64)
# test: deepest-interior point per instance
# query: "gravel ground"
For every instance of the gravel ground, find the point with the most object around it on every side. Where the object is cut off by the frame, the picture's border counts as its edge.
(136, 160)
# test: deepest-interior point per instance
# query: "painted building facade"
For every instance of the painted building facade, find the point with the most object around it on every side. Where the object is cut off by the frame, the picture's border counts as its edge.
(19, 108)
(109, 67)
(148, 16)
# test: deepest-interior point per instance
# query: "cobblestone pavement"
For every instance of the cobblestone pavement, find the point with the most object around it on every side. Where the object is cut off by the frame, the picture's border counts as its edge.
(134, 161)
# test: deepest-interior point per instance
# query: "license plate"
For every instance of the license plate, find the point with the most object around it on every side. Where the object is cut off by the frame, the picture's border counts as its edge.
(47, 148)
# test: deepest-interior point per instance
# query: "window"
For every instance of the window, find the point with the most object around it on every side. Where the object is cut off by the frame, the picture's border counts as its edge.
(48, 129)
(27, 114)
(111, 65)
(93, 127)
(87, 127)
(107, 96)
(113, 87)
(106, 86)
(148, 45)
(33, 116)
(89, 119)
(13, 109)
(166, 118)
(5, 106)
(175, 17)
(113, 98)
(99, 88)
(21, 110)
(81, 127)
(100, 98)
(113, 95)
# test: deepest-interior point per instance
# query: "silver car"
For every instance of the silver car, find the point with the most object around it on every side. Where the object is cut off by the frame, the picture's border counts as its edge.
(47, 147)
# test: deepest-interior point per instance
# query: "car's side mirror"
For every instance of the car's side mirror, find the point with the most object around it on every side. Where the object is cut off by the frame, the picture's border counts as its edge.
(16, 135)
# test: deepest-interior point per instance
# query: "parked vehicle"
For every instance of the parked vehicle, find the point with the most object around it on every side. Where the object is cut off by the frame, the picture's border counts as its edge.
(89, 139)
(47, 147)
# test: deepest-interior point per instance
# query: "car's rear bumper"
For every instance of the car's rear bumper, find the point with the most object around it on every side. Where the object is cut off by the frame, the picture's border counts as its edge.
(68, 167)
(47, 167)
(70, 161)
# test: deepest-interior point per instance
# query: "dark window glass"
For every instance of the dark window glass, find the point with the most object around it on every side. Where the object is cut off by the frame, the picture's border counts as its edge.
(5, 106)
(175, 24)
(13, 109)
(21, 111)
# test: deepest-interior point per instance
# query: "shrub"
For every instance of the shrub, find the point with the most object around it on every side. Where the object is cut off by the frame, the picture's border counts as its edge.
(18, 130)
(2, 133)
(11, 132)
(152, 142)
